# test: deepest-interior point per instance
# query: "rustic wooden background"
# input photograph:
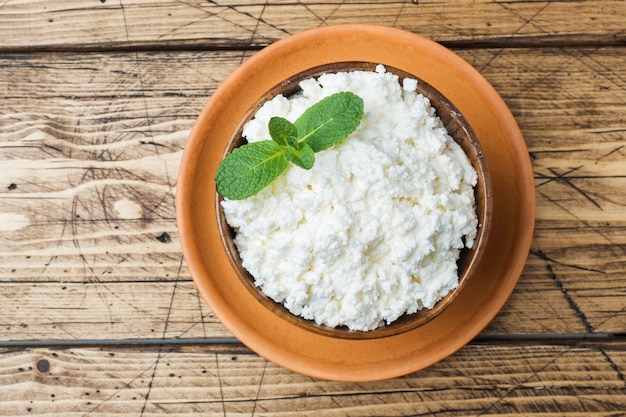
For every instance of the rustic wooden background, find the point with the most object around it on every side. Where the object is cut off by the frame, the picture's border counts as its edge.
(98, 313)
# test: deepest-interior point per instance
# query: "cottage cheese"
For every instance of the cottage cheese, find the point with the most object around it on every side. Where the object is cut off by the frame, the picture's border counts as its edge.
(375, 228)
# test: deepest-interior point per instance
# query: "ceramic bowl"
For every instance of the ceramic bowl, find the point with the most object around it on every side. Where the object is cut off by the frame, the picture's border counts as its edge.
(460, 130)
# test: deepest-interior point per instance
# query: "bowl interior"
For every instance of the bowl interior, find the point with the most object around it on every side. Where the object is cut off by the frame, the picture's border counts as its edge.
(458, 128)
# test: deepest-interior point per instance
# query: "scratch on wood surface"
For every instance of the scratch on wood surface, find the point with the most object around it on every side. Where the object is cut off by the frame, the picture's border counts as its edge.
(125, 22)
(145, 108)
(534, 374)
(219, 381)
(191, 22)
(169, 181)
(570, 300)
(397, 16)
(151, 381)
(586, 58)
(617, 149)
(613, 365)
(557, 204)
(125, 386)
(564, 178)
(160, 349)
(88, 267)
(216, 10)
(316, 15)
(258, 391)
(200, 308)
(584, 222)
(544, 257)
(169, 309)
(509, 38)
(191, 323)
(324, 20)
(259, 19)
(568, 181)
(613, 315)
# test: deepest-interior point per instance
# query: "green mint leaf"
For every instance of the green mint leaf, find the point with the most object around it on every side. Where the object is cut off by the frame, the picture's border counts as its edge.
(330, 120)
(292, 142)
(250, 168)
(281, 130)
(253, 166)
(304, 156)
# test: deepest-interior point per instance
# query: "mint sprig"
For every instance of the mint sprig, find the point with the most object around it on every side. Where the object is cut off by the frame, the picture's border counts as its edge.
(253, 166)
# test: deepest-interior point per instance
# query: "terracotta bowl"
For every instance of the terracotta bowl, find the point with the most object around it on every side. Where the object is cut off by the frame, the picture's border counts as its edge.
(461, 132)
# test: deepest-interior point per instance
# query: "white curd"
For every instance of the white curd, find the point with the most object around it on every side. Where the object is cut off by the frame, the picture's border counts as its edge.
(375, 228)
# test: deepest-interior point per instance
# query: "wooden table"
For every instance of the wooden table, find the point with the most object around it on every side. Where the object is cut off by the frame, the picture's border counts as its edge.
(98, 312)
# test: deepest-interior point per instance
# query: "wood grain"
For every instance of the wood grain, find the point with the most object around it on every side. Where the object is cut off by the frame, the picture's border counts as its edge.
(89, 155)
(217, 380)
(99, 315)
(82, 24)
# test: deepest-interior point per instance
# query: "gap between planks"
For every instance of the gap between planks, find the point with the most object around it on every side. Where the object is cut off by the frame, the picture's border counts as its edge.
(509, 339)
(498, 42)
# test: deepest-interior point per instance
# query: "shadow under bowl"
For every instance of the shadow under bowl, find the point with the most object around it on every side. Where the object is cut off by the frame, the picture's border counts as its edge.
(458, 128)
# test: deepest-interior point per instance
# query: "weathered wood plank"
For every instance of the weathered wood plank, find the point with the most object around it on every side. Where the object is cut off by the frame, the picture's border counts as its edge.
(89, 154)
(108, 24)
(218, 380)
(90, 149)
(100, 310)
(571, 111)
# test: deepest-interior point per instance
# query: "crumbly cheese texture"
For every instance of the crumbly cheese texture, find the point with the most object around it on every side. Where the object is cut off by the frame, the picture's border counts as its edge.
(374, 230)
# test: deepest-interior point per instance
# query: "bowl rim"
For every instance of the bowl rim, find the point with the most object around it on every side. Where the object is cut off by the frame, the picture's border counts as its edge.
(513, 191)
(463, 135)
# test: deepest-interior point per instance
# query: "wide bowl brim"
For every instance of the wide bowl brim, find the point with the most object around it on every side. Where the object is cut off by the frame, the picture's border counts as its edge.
(345, 359)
